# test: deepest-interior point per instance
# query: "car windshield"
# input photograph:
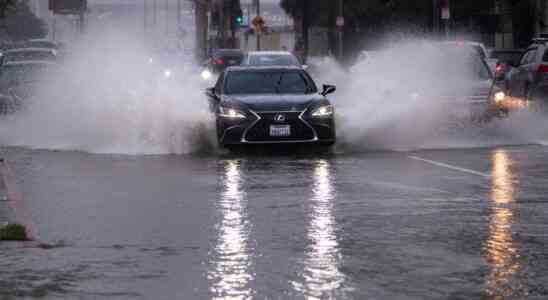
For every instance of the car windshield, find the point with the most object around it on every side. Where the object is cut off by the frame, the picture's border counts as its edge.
(273, 60)
(13, 75)
(29, 55)
(267, 82)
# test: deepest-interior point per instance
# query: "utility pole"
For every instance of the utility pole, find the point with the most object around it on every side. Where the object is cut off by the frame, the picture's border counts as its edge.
(154, 11)
(178, 16)
(145, 16)
(340, 25)
(435, 17)
(258, 11)
(305, 30)
(166, 16)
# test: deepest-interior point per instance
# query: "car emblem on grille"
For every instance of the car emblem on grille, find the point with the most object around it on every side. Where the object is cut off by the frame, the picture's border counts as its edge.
(279, 118)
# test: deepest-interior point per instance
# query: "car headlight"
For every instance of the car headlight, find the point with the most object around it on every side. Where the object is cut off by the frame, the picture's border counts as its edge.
(230, 113)
(323, 111)
(206, 74)
(499, 96)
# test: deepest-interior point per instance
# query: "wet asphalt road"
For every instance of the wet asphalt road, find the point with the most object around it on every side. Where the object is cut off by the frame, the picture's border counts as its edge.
(459, 224)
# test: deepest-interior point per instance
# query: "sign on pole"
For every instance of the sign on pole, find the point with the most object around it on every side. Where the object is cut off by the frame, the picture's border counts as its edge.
(445, 10)
(340, 21)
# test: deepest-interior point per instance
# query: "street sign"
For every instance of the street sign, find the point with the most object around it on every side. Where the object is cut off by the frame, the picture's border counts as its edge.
(445, 10)
(340, 21)
(445, 13)
(67, 7)
(258, 24)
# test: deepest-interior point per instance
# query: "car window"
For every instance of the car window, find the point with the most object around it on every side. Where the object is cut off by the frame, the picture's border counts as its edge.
(524, 58)
(479, 51)
(267, 82)
(545, 57)
(528, 57)
(219, 84)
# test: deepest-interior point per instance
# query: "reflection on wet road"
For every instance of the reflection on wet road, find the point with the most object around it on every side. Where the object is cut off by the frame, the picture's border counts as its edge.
(361, 226)
(230, 271)
(321, 274)
(502, 251)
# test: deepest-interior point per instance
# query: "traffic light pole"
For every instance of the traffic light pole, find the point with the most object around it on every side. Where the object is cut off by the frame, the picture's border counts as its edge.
(258, 11)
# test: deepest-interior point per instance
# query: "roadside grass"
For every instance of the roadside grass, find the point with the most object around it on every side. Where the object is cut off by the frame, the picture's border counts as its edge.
(13, 232)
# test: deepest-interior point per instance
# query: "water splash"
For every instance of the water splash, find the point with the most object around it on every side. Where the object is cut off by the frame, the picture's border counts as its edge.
(107, 98)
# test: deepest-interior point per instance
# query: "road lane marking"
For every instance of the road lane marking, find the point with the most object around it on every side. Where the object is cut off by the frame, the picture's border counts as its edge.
(451, 167)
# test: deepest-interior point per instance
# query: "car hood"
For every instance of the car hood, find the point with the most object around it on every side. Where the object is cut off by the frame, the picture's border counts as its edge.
(274, 102)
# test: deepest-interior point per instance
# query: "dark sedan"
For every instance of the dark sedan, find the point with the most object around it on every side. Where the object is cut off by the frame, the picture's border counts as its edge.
(270, 105)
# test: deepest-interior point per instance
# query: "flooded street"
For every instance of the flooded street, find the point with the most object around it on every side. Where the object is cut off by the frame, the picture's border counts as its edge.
(447, 224)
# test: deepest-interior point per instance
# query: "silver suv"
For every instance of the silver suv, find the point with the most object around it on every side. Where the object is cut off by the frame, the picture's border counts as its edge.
(529, 80)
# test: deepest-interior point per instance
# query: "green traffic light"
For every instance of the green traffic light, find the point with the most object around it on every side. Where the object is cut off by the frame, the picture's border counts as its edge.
(239, 20)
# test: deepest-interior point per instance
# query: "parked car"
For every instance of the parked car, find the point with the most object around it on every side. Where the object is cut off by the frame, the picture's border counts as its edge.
(28, 54)
(271, 105)
(529, 80)
(18, 81)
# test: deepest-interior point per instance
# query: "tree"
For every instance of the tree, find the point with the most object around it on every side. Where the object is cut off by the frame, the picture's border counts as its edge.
(6, 5)
(20, 23)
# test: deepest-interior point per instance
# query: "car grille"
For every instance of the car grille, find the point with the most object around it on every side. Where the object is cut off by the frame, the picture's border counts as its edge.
(260, 131)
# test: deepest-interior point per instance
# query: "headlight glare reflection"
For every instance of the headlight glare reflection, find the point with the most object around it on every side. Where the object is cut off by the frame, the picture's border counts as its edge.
(323, 111)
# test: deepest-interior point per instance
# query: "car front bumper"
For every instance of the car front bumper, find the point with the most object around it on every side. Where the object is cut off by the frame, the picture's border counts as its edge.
(256, 129)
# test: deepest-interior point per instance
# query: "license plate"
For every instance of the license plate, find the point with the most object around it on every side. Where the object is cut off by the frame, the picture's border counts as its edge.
(280, 130)
(232, 62)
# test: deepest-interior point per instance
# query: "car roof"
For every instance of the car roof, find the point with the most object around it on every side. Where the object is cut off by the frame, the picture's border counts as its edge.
(269, 53)
(30, 49)
(468, 43)
(29, 62)
(227, 51)
(263, 68)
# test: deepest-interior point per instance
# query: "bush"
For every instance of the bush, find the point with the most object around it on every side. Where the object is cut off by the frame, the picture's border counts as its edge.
(13, 232)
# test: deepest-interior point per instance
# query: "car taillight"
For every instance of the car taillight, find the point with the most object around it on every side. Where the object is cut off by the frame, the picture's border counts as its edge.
(500, 68)
(219, 61)
(543, 69)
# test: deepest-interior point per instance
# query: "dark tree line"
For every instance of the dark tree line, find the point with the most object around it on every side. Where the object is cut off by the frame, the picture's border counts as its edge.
(371, 20)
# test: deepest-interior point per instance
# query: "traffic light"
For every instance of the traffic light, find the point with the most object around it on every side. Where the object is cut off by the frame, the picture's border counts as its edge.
(239, 20)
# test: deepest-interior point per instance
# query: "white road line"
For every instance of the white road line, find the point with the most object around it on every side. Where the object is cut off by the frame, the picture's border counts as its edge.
(455, 168)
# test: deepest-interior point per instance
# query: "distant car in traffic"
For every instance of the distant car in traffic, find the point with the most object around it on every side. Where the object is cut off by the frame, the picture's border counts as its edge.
(475, 47)
(529, 80)
(468, 88)
(271, 105)
(506, 61)
(18, 82)
(220, 60)
(271, 58)
(28, 54)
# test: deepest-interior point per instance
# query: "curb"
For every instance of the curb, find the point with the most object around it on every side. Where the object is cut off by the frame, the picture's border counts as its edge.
(16, 201)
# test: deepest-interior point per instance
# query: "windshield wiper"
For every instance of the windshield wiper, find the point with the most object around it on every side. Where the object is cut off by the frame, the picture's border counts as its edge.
(279, 83)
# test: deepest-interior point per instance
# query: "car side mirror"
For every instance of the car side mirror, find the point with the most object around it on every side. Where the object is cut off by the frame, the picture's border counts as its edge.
(328, 89)
(210, 92)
